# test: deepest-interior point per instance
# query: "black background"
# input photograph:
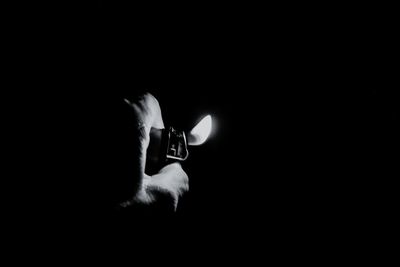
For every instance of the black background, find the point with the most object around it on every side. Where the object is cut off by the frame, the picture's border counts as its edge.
(304, 135)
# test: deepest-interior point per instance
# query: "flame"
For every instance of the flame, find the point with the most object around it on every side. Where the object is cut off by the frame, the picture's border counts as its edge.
(199, 134)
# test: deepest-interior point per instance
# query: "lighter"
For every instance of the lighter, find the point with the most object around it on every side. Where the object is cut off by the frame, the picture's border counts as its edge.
(171, 145)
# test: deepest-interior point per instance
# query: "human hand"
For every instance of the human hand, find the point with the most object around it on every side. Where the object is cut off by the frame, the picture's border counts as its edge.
(171, 181)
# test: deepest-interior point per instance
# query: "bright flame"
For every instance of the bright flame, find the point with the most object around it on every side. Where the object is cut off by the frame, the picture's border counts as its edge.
(199, 134)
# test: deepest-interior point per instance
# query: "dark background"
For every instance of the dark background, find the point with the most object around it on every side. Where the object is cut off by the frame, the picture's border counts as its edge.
(305, 121)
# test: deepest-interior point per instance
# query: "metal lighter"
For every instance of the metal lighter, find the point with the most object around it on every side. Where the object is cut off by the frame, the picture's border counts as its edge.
(171, 145)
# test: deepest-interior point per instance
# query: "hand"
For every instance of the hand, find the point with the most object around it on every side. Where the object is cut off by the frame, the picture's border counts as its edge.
(171, 181)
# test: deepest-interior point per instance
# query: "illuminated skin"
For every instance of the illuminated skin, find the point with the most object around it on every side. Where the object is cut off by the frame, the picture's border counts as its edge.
(171, 180)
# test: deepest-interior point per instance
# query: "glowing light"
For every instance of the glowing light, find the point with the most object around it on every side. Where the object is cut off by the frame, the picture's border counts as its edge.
(199, 134)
